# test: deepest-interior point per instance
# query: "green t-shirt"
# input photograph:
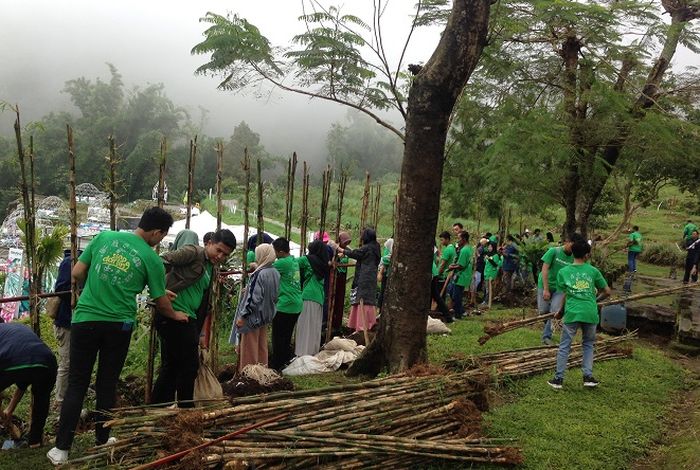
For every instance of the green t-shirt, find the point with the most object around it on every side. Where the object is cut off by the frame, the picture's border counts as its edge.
(188, 300)
(435, 264)
(343, 260)
(688, 230)
(491, 271)
(636, 237)
(121, 265)
(580, 283)
(289, 297)
(449, 254)
(464, 277)
(557, 259)
(313, 286)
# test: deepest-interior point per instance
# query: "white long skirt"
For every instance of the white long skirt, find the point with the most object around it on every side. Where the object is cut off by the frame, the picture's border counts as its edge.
(308, 337)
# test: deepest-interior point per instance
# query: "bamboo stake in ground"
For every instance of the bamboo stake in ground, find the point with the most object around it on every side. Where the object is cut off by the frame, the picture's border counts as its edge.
(150, 360)
(36, 270)
(73, 213)
(291, 173)
(215, 300)
(29, 228)
(304, 208)
(112, 183)
(161, 172)
(245, 165)
(190, 179)
(365, 203)
(325, 196)
(490, 292)
(377, 199)
(261, 220)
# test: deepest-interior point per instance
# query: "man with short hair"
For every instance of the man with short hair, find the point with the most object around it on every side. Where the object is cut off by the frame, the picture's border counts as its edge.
(115, 266)
(688, 230)
(289, 304)
(462, 270)
(457, 228)
(550, 297)
(189, 276)
(448, 255)
(634, 247)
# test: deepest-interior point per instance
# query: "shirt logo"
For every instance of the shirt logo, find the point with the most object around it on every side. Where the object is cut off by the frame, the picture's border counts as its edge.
(117, 261)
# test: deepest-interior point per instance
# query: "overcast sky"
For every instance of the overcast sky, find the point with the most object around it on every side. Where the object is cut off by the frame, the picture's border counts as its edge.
(44, 43)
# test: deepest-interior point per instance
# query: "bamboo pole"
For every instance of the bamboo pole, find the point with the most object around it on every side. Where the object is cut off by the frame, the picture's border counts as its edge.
(151, 359)
(73, 213)
(36, 272)
(161, 171)
(112, 183)
(377, 200)
(325, 196)
(288, 215)
(190, 179)
(261, 219)
(29, 223)
(304, 208)
(245, 163)
(365, 203)
(215, 300)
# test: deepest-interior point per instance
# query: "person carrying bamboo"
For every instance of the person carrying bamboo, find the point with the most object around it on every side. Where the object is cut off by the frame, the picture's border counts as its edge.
(313, 269)
(580, 283)
(115, 266)
(363, 313)
(256, 309)
(189, 275)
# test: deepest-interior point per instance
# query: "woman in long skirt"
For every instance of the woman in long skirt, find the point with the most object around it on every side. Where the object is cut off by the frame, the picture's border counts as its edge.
(313, 267)
(363, 314)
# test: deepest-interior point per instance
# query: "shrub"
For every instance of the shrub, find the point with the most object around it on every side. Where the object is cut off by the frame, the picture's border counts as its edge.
(662, 254)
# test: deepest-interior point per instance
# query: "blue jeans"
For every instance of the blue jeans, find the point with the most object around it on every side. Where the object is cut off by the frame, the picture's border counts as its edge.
(568, 332)
(457, 294)
(548, 306)
(632, 261)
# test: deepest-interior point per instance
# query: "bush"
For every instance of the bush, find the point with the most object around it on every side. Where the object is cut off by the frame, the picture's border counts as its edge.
(662, 254)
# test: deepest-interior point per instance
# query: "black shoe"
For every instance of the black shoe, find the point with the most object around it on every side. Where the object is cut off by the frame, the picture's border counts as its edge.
(459, 317)
(449, 320)
(556, 384)
(590, 381)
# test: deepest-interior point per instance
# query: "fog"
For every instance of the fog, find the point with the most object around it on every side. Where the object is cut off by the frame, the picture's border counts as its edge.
(44, 43)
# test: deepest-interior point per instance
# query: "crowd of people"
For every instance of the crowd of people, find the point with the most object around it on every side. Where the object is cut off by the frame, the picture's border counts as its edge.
(299, 298)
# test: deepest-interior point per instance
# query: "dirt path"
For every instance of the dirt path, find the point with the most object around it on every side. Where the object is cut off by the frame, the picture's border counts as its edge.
(679, 447)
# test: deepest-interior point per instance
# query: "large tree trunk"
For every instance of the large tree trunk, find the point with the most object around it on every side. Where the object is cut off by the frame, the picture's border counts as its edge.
(400, 341)
(588, 190)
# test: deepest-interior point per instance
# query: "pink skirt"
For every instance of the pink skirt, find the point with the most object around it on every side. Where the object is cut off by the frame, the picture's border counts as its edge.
(358, 323)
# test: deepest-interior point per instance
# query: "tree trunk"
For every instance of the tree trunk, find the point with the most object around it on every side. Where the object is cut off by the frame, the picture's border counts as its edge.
(401, 337)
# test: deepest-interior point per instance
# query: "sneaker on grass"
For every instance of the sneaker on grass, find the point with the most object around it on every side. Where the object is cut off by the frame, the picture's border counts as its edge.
(556, 384)
(590, 381)
(57, 456)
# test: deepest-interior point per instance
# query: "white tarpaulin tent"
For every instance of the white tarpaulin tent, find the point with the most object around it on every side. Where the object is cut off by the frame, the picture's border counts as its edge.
(205, 222)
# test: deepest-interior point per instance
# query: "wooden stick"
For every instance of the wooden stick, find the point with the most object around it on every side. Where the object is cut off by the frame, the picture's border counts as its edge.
(365, 203)
(179, 455)
(261, 220)
(161, 172)
(190, 179)
(377, 200)
(150, 364)
(245, 163)
(304, 209)
(111, 182)
(73, 213)
(215, 299)
(490, 293)
(288, 215)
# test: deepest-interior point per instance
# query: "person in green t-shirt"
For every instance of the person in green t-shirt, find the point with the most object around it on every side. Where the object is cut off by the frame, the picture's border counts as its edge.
(688, 230)
(462, 273)
(117, 266)
(549, 297)
(289, 304)
(492, 263)
(189, 276)
(580, 283)
(448, 255)
(313, 268)
(634, 247)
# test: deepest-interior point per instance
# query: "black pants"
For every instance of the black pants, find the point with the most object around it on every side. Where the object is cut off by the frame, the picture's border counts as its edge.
(42, 380)
(179, 361)
(690, 261)
(282, 329)
(111, 340)
(435, 289)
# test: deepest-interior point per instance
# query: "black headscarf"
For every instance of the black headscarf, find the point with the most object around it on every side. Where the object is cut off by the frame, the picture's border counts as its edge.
(369, 239)
(318, 258)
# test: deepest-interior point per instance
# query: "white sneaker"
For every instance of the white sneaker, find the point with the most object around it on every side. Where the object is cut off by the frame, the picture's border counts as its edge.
(57, 456)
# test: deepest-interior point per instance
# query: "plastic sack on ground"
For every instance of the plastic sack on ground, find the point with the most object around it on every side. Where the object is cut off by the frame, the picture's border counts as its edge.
(437, 327)
(206, 385)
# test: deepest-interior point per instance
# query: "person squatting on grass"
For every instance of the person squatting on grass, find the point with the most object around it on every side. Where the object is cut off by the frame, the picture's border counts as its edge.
(580, 283)
(550, 297)
(26, 361)
(256, 309)
(117, 265)
(289, 304)
(313, 268)
(189, 276)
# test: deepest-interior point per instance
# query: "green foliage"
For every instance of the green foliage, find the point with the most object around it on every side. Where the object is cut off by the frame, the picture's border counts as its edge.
(532, 251)
(662, 254)
(49, 247)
